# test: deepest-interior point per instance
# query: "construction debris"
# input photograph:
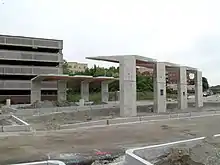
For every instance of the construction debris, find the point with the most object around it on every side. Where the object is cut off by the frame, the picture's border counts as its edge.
(48, 104)
(205, 153)
(97, 158)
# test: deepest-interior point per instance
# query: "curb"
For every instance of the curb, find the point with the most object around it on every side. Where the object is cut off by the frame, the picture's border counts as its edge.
(138, 120)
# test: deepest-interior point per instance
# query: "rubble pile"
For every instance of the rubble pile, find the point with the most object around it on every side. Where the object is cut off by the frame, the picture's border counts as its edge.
(48, 104)
(117, 161)
(52, 126)
(97, 158)
(4, 122)
(205, 153)
(177, 157)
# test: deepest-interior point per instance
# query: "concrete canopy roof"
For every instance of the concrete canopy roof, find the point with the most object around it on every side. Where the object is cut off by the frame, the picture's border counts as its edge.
(103, 78)
(78, 78)
(117, 58)
(140, 61)
(55, 77)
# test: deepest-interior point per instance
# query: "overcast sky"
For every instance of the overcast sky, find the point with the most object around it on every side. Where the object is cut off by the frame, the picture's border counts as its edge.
(182, 31)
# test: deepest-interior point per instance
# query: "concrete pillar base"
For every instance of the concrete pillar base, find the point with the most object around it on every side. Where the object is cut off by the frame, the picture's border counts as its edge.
(159, 88)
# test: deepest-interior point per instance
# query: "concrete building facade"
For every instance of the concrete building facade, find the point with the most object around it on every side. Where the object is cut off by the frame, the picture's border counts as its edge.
(77, 67)
(23, 58)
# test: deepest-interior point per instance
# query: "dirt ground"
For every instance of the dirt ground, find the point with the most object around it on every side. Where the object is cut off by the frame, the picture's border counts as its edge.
(22, 147)
(53, 121)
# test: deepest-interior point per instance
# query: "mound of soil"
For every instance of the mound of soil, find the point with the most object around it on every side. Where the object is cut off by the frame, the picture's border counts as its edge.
(177, 157)
(205, 153)
(4, 122)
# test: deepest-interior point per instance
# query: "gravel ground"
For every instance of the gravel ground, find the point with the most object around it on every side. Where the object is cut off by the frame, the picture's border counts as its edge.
(53, 121)
(23, 147)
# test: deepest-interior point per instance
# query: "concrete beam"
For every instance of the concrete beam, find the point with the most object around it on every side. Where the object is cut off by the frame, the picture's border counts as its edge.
(61, 90)
(182, 88)
(85, 90)
(198, 89)
(159, 77)
(35, 91)
(128, 86)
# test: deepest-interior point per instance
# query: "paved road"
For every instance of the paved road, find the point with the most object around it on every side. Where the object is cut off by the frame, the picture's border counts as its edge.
(28, 146)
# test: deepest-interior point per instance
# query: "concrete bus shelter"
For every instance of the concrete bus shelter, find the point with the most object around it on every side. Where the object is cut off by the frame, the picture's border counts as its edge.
(63, 81)
(127, 78)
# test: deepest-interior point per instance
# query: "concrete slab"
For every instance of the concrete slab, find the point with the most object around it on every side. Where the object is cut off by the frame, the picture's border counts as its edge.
(48, 162)
(185, 114)
(123, 120)
(84, 124)
(16, 128)
(154, 117)
(18, 120)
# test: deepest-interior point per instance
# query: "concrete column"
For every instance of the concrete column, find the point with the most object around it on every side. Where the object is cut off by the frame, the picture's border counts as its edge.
(35, 91)
(159, 88)
(104, 88)
(85, 90)
(198, 89)
(182, 89)
(127, 82)
(61, 90)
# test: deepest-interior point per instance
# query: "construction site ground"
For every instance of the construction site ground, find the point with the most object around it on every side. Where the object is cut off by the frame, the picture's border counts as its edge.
(30, 146)
(54, 120)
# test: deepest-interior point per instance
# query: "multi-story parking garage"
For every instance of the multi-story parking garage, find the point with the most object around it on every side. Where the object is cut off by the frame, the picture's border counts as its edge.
(23, 58)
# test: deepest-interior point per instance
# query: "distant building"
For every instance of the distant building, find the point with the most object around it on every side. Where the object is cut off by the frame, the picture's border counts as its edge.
(145, 71)
(172, 77)
(77, 67)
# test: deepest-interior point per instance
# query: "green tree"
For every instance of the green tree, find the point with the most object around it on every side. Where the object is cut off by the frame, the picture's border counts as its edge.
(205, 84)
(66, 68)
(144, 83)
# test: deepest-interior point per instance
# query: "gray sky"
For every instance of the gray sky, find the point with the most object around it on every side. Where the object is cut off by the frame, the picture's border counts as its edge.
(182, 31)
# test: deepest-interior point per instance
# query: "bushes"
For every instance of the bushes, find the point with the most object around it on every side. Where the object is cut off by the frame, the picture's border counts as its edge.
(114, 96)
